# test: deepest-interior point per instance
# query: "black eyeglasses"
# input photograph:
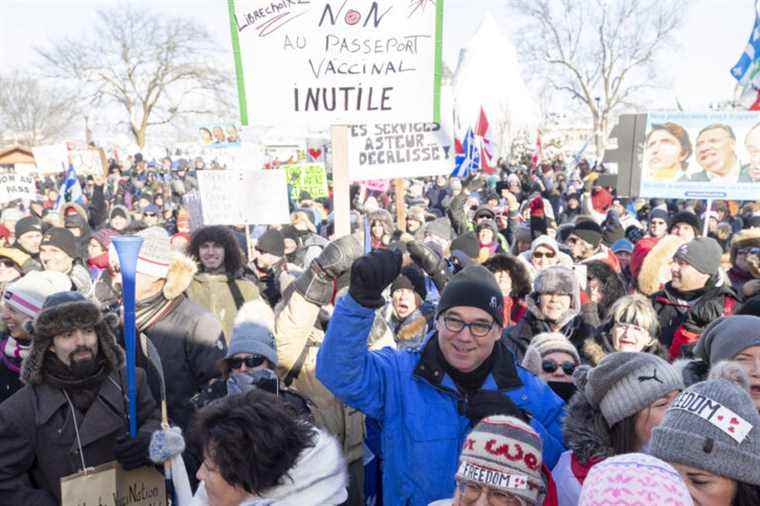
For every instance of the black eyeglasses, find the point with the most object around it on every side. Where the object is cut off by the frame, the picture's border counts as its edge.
(477, 329)
(250, 362)
(550, 366)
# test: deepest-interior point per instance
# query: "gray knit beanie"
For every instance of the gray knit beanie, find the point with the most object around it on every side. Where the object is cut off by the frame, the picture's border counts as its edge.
(624, 383)
(725, 337)
(545, 343)
(702, 253)
(252, 337)
(713, 426)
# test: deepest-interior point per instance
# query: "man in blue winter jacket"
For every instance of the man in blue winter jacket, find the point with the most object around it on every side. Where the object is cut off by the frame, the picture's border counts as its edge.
(427, 401)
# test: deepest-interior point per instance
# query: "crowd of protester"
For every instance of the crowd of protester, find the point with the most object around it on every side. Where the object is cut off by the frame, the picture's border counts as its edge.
(527, 337)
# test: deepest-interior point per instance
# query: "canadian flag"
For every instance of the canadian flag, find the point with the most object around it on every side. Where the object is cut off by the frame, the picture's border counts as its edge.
(483, 136)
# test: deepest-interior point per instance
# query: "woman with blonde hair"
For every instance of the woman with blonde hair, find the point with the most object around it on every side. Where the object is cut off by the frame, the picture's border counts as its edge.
(632, 326)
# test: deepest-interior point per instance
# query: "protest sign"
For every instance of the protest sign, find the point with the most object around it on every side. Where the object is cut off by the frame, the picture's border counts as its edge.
(15, 186)
(192, 202)
(234, 197)
(89, 161)
(337, 61)
(397, 150)
(111, 484)
(310, 178)
(687, 155)
(51, 159)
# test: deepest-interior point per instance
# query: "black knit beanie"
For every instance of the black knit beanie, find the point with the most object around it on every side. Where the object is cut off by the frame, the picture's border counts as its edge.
(690, 219)
(473, 286)
(271, 242)
(589, 231)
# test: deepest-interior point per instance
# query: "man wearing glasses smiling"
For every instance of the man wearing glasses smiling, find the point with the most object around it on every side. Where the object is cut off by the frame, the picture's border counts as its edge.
(426, 401)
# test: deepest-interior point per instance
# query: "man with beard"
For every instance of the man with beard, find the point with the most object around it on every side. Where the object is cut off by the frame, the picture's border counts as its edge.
(695, 296)
(22, 302)
(71, 413)
(218, 286)
(716, 154)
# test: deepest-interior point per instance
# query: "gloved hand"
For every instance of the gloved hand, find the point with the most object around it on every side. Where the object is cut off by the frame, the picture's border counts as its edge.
(425, 258)
(338, 256)
(485, 403)
(370, 275)
(132, 453)
(165, 444)
(316, 283)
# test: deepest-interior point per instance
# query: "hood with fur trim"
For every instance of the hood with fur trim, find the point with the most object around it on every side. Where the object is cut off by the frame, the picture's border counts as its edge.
(652, 275)
(746, 238)
(385, 219)
(62, 318)
(585, 431)
(521, 283)
(180, 275)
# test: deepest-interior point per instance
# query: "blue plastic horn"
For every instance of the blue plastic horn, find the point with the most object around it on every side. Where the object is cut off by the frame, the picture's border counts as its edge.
(128, 247)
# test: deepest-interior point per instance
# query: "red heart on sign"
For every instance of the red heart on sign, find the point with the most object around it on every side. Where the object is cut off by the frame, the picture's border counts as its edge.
(731, 429)
(734, 421)
(315, 153)
(720, 418)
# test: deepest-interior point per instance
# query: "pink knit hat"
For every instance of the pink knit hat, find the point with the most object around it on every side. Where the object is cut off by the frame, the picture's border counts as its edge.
(634, 479)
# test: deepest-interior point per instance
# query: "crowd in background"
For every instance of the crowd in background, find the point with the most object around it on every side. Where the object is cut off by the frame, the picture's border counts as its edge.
(527, 337)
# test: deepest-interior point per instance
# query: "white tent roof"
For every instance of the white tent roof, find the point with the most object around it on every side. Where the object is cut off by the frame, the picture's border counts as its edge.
(488, 75)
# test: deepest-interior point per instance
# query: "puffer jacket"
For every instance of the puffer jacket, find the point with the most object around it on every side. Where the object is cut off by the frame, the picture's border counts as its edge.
(298, 340)
(212, 291)
(418, 405)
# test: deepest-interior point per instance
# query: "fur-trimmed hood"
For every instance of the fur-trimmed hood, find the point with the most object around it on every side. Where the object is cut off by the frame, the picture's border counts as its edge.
(749, 237)
(65, 209)
(521, 284)
(585, 431)
(652, 275)
(180, 275)
(384, 217)
(62, 318)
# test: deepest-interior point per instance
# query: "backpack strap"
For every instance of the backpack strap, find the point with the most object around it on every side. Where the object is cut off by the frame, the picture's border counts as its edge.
(298, 365)
(237, 295)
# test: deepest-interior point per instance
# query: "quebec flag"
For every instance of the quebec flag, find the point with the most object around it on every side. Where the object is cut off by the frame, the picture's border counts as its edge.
(746, 69)
(71, 190)
(467, 159)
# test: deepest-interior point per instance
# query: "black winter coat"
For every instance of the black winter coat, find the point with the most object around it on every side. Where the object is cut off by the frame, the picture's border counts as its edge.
(38, 444)
(190, 342)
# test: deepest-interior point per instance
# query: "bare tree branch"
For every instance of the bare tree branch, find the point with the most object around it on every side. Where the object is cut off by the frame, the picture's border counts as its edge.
(156, 68)
(598, 48)
(33, 113)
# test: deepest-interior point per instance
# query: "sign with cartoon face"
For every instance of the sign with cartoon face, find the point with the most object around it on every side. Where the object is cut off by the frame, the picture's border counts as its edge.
(337, 61)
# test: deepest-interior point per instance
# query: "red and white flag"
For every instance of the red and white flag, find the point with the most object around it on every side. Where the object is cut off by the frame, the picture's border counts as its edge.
(483, 136)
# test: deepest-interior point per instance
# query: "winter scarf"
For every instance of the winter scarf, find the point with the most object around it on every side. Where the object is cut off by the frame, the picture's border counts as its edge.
(13, 353)
(153, 309)
(83, 391)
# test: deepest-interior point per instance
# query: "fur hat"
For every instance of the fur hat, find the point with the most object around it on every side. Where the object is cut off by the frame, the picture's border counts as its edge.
(516, 269)
(652, 274)
(690, 219)
(556, 279)
(61, 313)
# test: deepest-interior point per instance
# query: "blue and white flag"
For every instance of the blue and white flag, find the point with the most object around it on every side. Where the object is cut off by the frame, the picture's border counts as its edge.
(71, 190)
(748, 65)
(467, 159)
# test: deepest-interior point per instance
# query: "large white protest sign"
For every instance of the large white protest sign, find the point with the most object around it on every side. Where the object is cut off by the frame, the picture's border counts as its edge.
(89, 162)
(16, 186)
(337, 61)
(391, 150)
(51, 159)
(233, 197)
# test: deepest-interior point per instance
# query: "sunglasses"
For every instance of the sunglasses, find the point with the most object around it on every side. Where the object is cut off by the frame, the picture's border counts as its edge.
(543, 255)
(549, 366)
(250, 362)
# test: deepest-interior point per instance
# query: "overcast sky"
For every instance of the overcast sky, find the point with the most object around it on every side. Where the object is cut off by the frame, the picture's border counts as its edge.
(713, 38)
